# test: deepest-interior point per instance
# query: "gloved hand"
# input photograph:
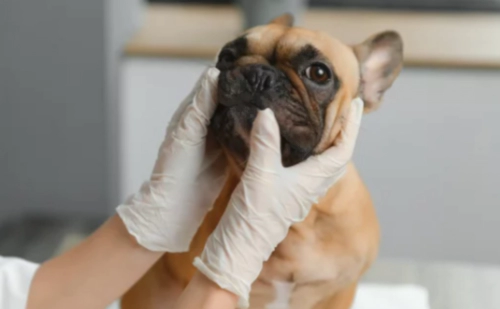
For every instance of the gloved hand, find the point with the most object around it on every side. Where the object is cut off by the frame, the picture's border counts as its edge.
(268, 200)
(187, 177)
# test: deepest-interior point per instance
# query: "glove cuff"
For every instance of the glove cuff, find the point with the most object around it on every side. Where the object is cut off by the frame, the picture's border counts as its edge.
(225, 281)
(147, 235)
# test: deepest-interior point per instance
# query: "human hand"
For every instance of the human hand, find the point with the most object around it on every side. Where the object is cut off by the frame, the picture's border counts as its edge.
(268, 200)
(188, 175)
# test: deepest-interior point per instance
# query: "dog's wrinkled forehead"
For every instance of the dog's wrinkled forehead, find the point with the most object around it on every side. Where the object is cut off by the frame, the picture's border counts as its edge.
(276, 44)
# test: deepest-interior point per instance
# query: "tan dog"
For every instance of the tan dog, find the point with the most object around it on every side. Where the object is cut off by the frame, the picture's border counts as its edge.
(309, 80)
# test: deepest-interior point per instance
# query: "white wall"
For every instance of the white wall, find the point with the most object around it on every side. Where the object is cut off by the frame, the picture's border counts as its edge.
(151, 91)
(430, 155)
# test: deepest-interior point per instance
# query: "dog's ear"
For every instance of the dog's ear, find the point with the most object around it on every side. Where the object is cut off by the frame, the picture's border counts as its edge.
(284, 20)
(381, 59)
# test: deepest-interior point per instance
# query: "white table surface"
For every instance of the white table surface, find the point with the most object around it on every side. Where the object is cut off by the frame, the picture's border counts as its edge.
(450, 285)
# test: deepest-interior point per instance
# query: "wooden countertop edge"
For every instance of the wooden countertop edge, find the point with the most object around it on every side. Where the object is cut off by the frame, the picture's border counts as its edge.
(160, 52)
(148, 40)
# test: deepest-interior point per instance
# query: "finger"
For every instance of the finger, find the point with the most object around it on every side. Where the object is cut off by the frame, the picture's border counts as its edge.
(181, 109)
(208, 74)
(194, 122)
(205, 100)
(344, 145)
(265, 150)
(340, 154)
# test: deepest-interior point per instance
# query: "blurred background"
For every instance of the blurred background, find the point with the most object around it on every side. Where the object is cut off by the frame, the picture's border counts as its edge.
(87, 88)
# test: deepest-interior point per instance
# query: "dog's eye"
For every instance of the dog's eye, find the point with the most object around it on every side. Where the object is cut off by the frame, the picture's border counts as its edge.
(318, 73)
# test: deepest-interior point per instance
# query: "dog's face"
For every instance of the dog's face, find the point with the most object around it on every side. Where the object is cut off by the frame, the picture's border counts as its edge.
(307, 78)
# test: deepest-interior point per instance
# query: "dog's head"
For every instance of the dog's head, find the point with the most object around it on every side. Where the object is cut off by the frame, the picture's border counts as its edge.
(306, 77)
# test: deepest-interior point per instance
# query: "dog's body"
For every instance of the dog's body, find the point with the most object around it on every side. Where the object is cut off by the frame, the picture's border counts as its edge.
(322, 258)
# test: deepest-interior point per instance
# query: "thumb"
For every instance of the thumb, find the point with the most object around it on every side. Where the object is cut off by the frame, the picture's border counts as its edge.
(344, 145)
(265, 141)
(337, 156)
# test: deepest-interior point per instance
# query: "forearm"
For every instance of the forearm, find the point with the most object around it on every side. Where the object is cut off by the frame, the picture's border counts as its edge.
(93, 274)
(201, 293)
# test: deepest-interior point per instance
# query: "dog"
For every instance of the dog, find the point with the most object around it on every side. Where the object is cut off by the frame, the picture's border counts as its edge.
(308, 79)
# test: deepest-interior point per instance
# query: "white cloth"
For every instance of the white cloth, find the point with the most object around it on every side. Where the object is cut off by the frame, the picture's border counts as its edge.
(368, 296)
(15, 282)
(115, 305)
(380, 296)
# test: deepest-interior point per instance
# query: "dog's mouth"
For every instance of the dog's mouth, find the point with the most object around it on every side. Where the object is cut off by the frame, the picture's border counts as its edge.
(239, 103)
(232, 126)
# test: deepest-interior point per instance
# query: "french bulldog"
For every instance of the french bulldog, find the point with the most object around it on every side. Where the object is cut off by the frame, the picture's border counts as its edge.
(308, 79)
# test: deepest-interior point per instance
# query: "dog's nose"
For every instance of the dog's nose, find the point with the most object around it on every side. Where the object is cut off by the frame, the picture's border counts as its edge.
(260, 77)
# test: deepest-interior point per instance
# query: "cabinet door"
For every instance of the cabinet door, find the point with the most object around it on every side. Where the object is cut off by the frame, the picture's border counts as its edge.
(152, 89)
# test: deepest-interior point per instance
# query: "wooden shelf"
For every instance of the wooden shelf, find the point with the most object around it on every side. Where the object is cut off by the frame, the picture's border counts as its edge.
(431, 39)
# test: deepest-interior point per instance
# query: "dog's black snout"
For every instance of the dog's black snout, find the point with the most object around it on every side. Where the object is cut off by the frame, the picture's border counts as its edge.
(260, 77)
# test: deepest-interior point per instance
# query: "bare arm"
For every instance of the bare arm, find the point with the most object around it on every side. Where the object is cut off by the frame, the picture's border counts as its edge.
(109, 262)
(104, 267)
(201, 293)
(93, 274)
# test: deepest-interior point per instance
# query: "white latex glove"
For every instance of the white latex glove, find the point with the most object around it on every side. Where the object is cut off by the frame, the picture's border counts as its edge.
(187, 178)
(268, 200)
